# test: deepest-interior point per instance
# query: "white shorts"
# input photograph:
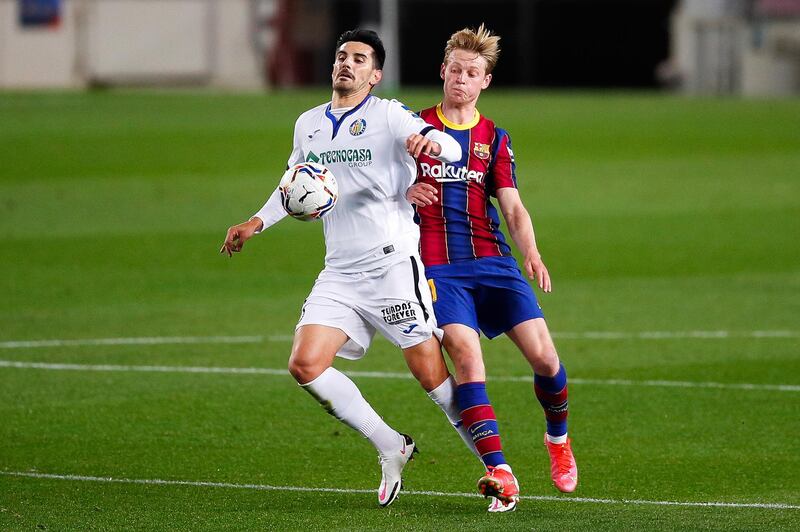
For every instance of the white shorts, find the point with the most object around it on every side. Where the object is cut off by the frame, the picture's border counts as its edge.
(395, 300)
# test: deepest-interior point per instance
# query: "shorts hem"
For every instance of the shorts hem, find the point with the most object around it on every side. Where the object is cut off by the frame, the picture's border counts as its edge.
(413, 342)
(455, 322)
(333, 326)
(493, 335)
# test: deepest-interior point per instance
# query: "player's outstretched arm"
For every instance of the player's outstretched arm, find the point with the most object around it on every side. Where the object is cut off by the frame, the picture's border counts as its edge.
(520, 227)
(271, 213)
(239, 234)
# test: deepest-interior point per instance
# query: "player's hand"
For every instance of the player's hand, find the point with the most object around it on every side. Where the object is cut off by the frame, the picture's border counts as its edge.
(422, 194)
(417, 144)
(536, 269)
(238, 235)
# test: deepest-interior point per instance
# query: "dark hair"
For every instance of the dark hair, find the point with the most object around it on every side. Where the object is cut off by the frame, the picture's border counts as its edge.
(368, 37)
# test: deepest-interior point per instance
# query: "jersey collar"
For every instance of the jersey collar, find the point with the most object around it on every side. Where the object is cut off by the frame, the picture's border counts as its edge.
(452, 125)
(337, 123)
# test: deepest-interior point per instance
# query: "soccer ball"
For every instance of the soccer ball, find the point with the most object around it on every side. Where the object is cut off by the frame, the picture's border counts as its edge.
(308, 191)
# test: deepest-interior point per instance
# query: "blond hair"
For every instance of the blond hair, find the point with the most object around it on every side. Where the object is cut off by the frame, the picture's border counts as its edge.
(481, 42)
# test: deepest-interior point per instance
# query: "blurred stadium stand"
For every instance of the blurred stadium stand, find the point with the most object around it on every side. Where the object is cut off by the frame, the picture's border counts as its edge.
(129, 42)
(749, 47)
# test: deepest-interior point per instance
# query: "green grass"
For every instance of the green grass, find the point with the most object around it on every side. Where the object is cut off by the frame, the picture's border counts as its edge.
(653, 213)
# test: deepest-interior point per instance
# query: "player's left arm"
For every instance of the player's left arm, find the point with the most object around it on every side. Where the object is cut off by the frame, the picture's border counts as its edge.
(420, 137)
(434, 143)
(520, 227)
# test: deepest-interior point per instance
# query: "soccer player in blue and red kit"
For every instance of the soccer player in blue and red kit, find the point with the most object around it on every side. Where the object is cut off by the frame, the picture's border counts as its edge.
(475, 281)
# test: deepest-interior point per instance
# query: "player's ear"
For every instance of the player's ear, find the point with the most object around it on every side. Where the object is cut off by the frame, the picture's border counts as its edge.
(486, 81)
(377, 76)
(441, 71)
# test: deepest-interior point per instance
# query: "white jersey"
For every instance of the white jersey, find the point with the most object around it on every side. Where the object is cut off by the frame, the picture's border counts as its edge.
(372, 224)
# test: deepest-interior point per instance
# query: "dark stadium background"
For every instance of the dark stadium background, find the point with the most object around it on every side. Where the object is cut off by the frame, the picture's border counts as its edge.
(545, 43)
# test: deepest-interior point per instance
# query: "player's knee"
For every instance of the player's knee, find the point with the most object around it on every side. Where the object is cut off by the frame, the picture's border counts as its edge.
(546, 363)
(462, 349)
(433, 376)
(427, 382)
(303, 369)
(541, 353)
(469, 368)
(427, 364)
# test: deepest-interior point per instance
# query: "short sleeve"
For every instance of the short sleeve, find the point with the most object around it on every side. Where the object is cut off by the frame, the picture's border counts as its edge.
(502, 173)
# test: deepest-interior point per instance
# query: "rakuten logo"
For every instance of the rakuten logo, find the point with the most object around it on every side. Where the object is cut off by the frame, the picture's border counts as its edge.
(445, 172)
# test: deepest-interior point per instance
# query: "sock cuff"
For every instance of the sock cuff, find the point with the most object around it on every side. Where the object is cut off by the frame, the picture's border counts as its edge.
(472, 394)
(321, 378)
(334, 391)
(445, 389)
(553, 384)
(475, 385)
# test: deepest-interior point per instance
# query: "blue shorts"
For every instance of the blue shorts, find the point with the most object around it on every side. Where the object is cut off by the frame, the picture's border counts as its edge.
(488, 294)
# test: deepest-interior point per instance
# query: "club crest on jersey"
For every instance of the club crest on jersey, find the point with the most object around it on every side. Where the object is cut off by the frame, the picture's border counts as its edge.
(358, 127)
(481, 151)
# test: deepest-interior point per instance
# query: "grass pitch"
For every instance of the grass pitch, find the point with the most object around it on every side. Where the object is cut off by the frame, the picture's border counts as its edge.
(670, 227)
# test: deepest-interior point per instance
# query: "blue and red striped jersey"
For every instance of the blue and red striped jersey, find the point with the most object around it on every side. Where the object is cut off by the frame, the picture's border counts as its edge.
(464, 225)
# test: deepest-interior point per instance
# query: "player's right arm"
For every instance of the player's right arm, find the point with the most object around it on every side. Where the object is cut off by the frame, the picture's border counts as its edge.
(269, 214)
(239, 234)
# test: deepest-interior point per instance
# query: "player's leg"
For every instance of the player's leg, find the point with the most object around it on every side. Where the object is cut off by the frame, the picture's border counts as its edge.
(550, 379)
(456, 313)
(329, 326)
(397, 302)
(426, 363)
(533, 339)
(313, 351)
(462, 343)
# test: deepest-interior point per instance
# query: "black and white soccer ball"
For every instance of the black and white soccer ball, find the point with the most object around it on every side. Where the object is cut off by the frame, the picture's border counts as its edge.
(308, 191)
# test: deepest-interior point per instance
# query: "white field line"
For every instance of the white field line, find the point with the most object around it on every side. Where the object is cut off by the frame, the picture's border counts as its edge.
(266, 487)
(143, 340)
(255, 339)
(385, 375)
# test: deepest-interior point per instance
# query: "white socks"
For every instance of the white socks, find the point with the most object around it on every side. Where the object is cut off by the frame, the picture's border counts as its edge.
(341, 398)
(557, 439)
(444, 396)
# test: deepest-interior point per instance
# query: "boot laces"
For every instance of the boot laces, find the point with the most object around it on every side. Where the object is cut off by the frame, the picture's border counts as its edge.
(563, 458)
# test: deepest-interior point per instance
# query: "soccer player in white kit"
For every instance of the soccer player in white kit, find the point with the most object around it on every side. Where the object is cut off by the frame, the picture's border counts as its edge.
(373, 279)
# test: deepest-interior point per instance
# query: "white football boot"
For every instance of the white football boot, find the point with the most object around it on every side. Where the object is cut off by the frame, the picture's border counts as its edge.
(392, 470)
(497, 506)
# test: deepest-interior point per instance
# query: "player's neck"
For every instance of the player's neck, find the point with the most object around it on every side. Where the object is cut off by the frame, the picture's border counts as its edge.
(462, 113)
(339, 100)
